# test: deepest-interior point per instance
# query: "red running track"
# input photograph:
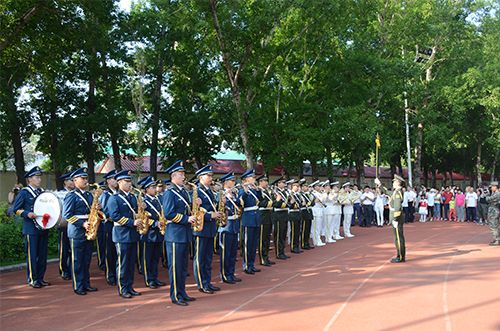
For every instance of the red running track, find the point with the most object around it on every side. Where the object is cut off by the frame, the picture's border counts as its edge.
(450, 282)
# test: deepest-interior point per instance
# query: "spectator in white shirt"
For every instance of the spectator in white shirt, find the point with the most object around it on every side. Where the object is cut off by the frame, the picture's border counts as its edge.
(471, 204)
(367, 199)
(430, 203)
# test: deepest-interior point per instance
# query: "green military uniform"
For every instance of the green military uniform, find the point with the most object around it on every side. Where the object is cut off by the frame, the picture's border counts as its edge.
(493, 201)
(397, 220)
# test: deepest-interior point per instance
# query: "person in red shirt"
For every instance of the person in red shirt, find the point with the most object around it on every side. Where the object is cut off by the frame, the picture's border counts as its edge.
(447, 195)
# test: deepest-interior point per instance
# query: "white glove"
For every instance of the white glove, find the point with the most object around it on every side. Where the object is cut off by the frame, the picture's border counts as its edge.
(377, 182)
(395, 224)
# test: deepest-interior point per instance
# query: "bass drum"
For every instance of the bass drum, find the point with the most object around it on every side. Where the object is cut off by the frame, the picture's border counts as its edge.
(47, 209)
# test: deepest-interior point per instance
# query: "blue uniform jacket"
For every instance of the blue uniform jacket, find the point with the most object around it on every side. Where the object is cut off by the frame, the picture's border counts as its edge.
(250, 218)
(153, 207)
(232, 226)
(175, 207)
(23, 205)
(210, 226)
(124, 230)
(105, 201)
(76, 212)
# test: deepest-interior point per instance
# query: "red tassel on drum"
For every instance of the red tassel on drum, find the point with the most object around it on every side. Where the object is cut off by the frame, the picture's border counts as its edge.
(45, 220)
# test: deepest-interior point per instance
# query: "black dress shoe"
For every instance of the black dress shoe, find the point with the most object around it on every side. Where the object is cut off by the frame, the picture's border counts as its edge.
(126, 295)
(397, 260)
(188, 298)
(286, 256)
(152, 286)
(66, 277)
(36, 285)
(134, 293)
(111, 283)
(250, 272)
(160, 283)
(236, 279)
(281, 257)
(228, 281)
(306, 248)
(255, 269)
(266, 264)
(495, 243)
(206, 291)
(44, 283)
(91, 289)
(213, 287)
(296, 251)
(180, 303)
(80, 292)
(311, 247)
(271, 262)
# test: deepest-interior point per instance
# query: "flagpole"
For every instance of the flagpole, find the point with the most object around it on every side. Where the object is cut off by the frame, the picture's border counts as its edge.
(377, 146)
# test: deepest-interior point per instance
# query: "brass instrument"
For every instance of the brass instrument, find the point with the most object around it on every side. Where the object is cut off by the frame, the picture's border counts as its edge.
(221, 208)
(162, 224)
(95, 215)
(143, 215)
(196, 211)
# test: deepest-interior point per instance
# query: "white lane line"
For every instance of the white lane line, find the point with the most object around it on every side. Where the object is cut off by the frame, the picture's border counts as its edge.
(283, 282)
(446, 311)
(355, 291)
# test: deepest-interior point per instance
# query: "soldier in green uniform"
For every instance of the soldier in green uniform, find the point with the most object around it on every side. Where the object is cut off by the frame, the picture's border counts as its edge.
(493, 201)
(395, 216)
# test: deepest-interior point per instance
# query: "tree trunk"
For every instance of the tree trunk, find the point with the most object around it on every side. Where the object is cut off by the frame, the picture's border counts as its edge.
(360, 173)
(426, 175)
(349, 171)
(433, 176)
(116, 151)
(417, 164)
(155, 125)
(478, 165)
(89, 142)
(329, 163)
(494, 166)
(15, 133)
(451, 178)
(233, 78)
(314, 169)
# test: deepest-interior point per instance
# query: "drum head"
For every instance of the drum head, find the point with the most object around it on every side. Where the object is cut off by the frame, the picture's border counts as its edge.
(47, 209)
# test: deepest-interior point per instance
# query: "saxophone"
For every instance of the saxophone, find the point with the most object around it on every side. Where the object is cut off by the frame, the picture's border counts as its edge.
(95, 215)
(143, 215)
(221, 208)
(162, 224)
(196, 211)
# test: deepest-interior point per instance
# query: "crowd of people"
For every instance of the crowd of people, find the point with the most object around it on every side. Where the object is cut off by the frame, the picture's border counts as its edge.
(170, 220)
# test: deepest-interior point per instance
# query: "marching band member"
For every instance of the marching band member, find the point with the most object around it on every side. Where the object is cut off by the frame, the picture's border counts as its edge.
(151, 242)
(123, 208)
(337, 212)
(110, 251)
(266, 216)
(36, 240)
(64, 247)
(346, 199)
(204, 240)
(295, 217)
(318, 213)
(76, 210)
(329, 213)
(166, 185)
(307, 215)
(249, 200)
(229, 233)
(280, 206)
(178, 233)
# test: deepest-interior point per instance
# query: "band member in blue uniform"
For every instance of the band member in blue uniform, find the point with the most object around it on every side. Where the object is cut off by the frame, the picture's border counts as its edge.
(64, 248)
(178, 233)
(204, 240)
(152, 241)
(76, 210)
(249, 198)
(228, 235)
(166, 185)
(265, 216)
(123, 208)
(295, 217)
(36, 240)
(280, 206)
(110, 251)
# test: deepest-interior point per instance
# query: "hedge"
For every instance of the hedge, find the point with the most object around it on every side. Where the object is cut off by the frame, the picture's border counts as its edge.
(12, 249)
